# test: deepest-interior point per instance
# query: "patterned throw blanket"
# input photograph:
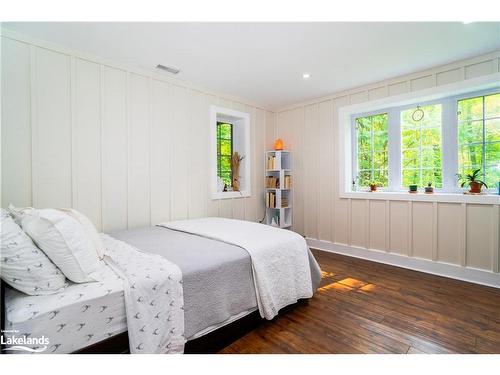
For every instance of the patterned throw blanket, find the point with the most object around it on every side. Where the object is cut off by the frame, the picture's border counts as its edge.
(153, 298)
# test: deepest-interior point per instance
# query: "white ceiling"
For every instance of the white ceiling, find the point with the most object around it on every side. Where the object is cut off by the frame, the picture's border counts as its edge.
(263, 63)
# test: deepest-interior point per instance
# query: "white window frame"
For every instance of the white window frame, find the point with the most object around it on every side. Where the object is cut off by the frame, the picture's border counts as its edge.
(448, 95)
(241, 120)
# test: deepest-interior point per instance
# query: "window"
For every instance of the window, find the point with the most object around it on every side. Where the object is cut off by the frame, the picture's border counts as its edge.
(428, 142)
(224, 151)
(421, 146)
(372, 150)
(229, 134)
(479, 137)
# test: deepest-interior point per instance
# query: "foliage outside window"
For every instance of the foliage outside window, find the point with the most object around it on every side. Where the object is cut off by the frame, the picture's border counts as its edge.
(421, 159)
(372, 149)
(224, 151)
(455, 135)
(479, 137)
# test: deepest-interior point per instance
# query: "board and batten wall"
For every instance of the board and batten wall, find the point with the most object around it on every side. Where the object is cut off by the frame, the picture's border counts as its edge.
(128, 149)
(398, 232)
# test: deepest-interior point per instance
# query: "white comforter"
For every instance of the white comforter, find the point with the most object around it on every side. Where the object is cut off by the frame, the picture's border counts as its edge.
(153, 298)
(280, 260)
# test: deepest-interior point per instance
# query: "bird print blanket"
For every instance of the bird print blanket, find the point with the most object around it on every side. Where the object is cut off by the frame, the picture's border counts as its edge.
(153, 298)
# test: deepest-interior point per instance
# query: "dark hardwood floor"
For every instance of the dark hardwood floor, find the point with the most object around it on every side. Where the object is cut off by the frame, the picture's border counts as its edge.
(367, 307)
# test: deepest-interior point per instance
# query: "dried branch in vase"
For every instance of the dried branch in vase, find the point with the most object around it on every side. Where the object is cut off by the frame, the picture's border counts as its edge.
(235, 168)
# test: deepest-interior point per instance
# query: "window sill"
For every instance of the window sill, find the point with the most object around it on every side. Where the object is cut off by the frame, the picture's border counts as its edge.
(230, 194)
(422, 197)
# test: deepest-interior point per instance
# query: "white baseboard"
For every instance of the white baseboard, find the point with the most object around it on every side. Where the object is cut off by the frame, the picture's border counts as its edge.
(453, 271)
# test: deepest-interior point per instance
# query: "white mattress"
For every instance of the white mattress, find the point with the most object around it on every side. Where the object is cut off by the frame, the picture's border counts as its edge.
(81, 315)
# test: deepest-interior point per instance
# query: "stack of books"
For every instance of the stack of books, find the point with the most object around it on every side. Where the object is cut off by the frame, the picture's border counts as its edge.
(288, 182)
(271, 200)
(272, 182)
(284, 202)
(271, 162)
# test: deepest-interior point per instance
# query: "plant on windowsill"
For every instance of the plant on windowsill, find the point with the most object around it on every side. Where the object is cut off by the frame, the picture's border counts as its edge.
(471, 179)
(429, 189)
(373, 186)
(413, 189)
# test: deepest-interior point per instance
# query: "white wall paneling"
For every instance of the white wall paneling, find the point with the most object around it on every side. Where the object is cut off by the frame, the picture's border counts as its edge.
(114, 148)
(16, 123)
(86, 133)
(462, 234)
(125, 148)
(139, 150)
(51, 128)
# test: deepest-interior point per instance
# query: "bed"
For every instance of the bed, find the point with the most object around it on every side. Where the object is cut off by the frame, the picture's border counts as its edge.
(217, 282)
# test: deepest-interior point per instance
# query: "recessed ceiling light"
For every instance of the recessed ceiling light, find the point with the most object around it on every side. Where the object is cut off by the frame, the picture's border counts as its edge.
(467, 22)
(306, 75)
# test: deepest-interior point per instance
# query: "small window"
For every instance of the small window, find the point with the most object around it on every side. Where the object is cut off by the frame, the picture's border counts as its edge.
(421, 159)
(372, 149)
(479, 137)
(224, 152)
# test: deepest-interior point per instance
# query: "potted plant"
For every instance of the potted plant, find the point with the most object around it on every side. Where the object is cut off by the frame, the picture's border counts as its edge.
(473, 181)
(373, 186)
(429, 189)
(413, 189)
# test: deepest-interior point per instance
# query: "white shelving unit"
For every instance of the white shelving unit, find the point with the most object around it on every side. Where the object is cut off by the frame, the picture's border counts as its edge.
(281, 171)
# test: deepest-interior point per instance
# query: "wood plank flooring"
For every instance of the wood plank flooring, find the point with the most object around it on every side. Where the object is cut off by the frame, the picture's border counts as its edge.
(367, 307)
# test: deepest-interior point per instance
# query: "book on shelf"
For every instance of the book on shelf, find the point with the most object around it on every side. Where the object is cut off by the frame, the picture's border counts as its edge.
(271, 162)
(284, 202)
(288, 182)
(271, 200)
(272, 182)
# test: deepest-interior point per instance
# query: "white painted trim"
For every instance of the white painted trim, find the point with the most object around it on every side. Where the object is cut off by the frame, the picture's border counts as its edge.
(422, 197)
(453, 271)
(215, 112)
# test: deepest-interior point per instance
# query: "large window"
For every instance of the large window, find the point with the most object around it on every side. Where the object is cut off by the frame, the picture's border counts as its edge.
(421, 146)
(224, 151)
(429, 142)
(372, 151)
(479, 137)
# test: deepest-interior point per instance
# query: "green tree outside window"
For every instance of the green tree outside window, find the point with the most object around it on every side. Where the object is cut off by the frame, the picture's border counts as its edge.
(373, 152)
(224, 151)
(421, 156)
(479, 137)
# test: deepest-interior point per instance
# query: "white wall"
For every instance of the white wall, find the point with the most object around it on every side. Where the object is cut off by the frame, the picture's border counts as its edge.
(125, 147)
(459, 234)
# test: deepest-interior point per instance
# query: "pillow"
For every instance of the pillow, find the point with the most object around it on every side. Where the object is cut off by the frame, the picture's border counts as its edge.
(65, 242)
(23, 265)
(18, 212)
(89, 229)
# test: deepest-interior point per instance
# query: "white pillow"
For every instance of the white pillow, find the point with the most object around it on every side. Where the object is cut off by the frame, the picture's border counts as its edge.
(65, 242)
(18, 212)
(23, 265)
(89, 229)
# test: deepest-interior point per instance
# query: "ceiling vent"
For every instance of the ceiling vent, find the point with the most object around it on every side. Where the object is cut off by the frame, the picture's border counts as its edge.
(168, 69)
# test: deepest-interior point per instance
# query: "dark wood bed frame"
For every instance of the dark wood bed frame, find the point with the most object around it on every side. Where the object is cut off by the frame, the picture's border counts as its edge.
(210, 343)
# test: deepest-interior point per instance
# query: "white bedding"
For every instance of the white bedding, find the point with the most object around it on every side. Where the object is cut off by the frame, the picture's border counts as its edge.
(81, 315)
(146, 301)
(153, 298)
(280, 260)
